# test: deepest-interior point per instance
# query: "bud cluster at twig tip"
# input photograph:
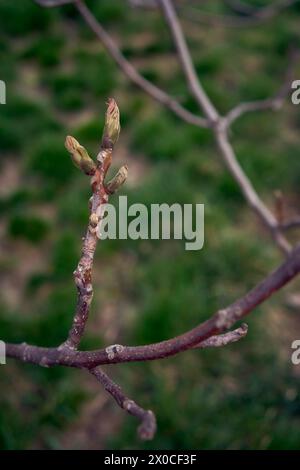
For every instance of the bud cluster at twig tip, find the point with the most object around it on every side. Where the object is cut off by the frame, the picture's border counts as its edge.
(79, 156)
(112, 126)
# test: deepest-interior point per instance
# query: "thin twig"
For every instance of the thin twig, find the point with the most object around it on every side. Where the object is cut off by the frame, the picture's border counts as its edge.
(83, 273)
(133, 75)
(186, 61)
(251, 196)
(218, 341)
(250, 106)
(272, 103)
(292, 223)
(127, 68)
(147, 428)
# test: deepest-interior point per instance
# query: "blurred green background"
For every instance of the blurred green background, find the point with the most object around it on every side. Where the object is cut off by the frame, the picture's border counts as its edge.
(58, 78)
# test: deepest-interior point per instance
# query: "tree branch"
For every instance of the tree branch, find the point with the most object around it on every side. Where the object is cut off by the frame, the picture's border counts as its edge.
(292, 223)
(186, 61)
(273, 103)
(147, 428)
(218, 341)
(220, 131)
(218, 323)
(251, 196)
(133, 75)
(127, 68)
(83, 273)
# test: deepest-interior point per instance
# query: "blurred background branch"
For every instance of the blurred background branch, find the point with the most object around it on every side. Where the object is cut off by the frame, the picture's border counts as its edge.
(214, 119)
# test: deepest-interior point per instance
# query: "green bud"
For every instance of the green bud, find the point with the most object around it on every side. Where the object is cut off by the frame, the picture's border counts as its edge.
(88, 165)
(72, 145)
(112, 124)
(113, 185)
(79, 156)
